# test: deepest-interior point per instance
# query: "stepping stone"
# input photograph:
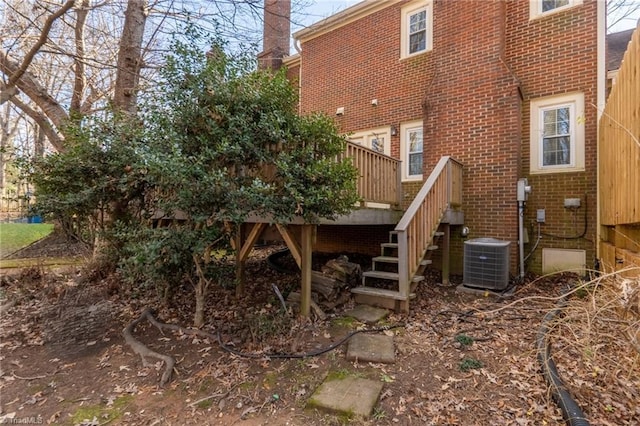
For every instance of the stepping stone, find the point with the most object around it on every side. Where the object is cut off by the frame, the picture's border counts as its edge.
(367, 314)
(349, 396)
(371, 348)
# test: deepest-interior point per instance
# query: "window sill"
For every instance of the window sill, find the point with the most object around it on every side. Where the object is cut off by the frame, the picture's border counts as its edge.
(557, 170)
(415, 55)
(412, 179)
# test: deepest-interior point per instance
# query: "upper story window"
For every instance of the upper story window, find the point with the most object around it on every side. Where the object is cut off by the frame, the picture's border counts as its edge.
(417, 28)
(549, 5)
(544, 7)
(411, 148)
(557, 134)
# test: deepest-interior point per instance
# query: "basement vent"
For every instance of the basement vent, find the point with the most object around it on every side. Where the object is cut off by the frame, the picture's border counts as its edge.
(486, 263)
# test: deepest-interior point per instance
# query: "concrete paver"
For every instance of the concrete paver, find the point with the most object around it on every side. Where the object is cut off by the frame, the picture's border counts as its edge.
(371, 348)
(349, 396)
(367, 314)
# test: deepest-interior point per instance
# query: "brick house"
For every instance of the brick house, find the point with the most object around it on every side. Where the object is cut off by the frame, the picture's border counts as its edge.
(508, 89)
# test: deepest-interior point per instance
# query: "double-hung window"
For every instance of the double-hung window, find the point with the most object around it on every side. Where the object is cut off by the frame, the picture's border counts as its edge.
(411, 149)
(416, 27)
(417, 31)
(557, 134)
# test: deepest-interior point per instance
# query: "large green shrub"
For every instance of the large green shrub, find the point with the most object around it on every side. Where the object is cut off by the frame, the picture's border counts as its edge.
(214, 142)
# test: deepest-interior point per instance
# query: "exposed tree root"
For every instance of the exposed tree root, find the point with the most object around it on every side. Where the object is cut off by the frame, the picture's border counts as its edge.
(142, 350)
(139, 348)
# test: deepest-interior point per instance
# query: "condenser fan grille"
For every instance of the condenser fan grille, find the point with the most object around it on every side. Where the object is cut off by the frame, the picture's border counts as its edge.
(486, 263)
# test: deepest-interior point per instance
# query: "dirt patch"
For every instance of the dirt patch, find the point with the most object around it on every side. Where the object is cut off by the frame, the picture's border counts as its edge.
(459, 359)
(55, 245)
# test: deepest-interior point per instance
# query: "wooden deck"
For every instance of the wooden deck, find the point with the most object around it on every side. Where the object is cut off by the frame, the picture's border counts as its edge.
(380, 188)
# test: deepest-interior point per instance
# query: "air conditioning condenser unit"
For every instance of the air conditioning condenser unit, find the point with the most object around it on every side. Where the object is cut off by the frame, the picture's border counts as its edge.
(486, 263)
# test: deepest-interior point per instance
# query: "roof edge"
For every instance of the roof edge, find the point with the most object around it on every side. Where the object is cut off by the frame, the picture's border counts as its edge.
(353, 13)
(291, 60)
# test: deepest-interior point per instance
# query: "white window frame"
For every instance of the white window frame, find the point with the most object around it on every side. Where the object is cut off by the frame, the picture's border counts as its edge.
(406, 12)
(366, 137)
(405, 129)
(535, 8)
(575, 102)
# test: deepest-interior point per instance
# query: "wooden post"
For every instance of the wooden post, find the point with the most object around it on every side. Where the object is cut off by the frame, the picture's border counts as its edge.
(403, 268)
(446, 252)
(399, 194)
(243, 250)
(305, 266)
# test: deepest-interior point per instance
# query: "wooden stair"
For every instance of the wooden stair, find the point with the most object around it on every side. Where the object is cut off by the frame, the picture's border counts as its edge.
(384, 270)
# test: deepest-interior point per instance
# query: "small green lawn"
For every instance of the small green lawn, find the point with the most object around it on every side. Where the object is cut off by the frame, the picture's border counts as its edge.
(14, 236)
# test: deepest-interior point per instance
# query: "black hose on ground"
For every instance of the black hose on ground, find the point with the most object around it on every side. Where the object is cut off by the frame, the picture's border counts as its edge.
(272, 261)
(303, 355)
(571, 412)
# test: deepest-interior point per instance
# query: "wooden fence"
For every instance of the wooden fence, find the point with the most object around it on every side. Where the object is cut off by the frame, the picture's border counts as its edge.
(619, 167)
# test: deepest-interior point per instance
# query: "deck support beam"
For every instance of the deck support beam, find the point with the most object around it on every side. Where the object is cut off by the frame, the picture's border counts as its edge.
(242, 252)
(291, 243)
(305, 267)
(302, 254)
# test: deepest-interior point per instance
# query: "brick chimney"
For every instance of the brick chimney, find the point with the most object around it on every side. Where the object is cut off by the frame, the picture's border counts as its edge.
(276, 33)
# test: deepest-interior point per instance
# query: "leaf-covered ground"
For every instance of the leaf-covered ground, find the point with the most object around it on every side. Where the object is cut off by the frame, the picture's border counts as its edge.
(460, 359)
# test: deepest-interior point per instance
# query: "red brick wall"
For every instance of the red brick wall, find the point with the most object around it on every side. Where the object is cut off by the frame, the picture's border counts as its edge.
(293, 74)
(554, 55)
(472, 113)
(359, 62)
(472, 91)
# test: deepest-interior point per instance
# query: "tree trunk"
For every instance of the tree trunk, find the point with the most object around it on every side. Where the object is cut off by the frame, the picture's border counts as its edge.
(201, 294)
(130, 56)
(75, 109)
(38, 149)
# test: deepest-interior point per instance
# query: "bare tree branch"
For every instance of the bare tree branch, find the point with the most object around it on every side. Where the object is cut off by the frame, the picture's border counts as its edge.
(42, 122)
(44, 34)
(29, 84)
(621, 10)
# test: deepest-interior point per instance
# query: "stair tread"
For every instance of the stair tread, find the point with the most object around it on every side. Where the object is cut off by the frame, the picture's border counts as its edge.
(438, 234)
(393, 259)
(389, 275)
(432, 247)
(385, 259)
(392, 245)
(390, 294)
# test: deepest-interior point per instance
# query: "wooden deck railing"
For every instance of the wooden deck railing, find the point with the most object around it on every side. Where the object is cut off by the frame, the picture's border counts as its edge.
(442, 190)
(379, 178)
